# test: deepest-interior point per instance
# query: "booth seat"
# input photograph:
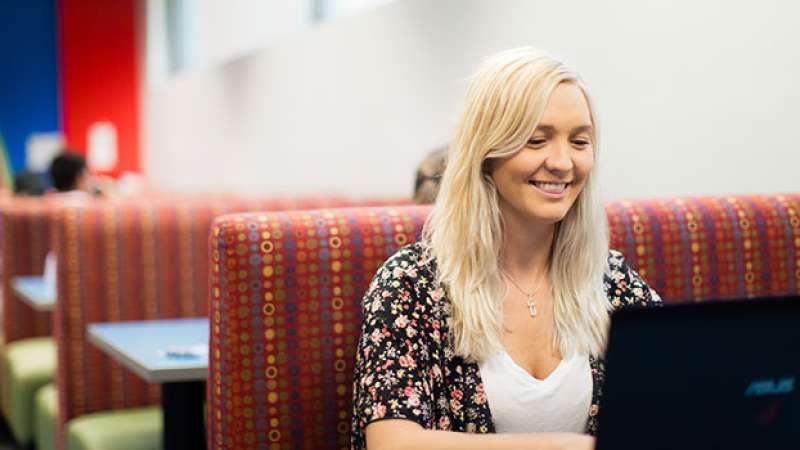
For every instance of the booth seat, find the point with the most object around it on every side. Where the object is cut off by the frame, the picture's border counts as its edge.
(285, 296)
(24, 242)
(27, 352)
(712, 248)
(45, 413)
(28, 364)
(286, 291)
(133, 260)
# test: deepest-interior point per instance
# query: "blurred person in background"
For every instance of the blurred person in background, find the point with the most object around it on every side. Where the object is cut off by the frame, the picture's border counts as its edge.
(68, 172)
(70, 175)
(490, 332)
(429, 176)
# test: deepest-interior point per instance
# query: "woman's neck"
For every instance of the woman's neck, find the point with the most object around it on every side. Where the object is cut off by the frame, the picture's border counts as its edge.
(526, 248)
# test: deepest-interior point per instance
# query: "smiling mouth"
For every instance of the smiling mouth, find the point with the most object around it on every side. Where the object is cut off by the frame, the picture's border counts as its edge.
(549, 186)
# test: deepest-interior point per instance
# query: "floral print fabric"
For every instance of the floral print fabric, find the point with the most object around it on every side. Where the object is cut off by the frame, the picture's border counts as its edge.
(406, 367)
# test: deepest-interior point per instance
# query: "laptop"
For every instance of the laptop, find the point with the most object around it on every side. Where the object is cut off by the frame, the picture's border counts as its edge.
(717, 375)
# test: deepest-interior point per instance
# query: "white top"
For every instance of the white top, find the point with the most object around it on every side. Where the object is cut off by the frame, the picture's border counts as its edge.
(520, 403)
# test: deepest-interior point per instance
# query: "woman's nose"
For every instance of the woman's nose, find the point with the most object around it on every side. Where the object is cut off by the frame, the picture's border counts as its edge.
(559, 159)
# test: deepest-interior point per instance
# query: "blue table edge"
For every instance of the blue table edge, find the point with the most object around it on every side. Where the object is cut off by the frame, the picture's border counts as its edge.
(38, 306)
(198, 372)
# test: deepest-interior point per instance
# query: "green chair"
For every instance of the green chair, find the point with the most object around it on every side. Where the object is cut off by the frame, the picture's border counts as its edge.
(45, 412)
(127, 429)
(28, 364)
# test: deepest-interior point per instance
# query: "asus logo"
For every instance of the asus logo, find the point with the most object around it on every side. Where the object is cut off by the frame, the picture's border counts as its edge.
(768, 386)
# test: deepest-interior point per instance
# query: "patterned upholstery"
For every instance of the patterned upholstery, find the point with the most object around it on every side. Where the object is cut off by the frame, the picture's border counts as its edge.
(712, 248)
(25, 234)
(132, 260)
(286, 291)
(287, 287)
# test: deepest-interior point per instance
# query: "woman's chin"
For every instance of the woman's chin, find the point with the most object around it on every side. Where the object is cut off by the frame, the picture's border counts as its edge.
(548, 215)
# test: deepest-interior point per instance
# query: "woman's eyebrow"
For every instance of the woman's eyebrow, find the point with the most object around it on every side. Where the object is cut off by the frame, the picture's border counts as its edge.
(544, 128)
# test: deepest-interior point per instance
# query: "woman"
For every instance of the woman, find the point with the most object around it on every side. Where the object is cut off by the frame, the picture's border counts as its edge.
(495, 323)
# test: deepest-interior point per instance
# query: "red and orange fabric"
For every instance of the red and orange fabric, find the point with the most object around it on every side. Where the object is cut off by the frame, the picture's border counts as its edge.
(25, 233)
(285, 318)
(712, 248)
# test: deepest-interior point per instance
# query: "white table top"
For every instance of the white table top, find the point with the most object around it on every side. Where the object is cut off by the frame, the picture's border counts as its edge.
(158, 351)
(35, 292)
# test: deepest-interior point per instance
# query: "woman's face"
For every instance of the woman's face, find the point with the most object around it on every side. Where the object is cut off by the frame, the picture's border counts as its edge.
(541, 182)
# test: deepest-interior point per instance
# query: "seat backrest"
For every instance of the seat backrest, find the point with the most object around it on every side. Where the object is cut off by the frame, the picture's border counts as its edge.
(286, 294)
(712, 248)
(132, 260)
(24, 243)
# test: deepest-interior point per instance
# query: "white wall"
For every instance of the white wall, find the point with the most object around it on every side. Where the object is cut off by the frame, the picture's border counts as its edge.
(231, 28)
(339, 8)
(694, 97)
(206, 33)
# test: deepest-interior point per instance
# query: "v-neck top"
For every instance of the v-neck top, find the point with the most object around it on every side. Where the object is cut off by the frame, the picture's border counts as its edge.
(406, 366)
(521, 403)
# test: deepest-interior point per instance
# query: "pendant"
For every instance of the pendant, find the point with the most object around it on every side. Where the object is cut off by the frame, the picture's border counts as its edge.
(531, 306)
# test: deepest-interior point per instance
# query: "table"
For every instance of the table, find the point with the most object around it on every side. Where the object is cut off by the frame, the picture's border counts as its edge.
(34, 291)
(173, 353)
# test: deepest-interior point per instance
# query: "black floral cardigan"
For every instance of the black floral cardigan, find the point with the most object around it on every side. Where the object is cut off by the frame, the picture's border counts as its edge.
(406, 367)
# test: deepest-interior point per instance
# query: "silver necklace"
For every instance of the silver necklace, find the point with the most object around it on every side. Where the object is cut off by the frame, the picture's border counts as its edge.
(529, 295)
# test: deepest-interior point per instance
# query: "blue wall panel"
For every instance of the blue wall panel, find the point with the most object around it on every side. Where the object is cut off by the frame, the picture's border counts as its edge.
(28, 73)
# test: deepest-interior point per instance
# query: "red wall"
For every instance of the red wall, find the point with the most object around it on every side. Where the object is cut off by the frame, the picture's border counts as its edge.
(99, 62)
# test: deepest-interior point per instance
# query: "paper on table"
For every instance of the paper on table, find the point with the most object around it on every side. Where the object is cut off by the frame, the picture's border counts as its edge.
(184, 351)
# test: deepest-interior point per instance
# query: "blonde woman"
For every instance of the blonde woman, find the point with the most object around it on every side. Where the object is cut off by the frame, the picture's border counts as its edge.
(494, 325)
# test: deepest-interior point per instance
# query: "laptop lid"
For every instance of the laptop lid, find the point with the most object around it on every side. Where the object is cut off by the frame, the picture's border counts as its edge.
(703, 376)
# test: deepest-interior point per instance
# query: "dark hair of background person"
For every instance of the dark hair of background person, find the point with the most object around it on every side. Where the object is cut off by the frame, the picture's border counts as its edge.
(28, 183)
(429, 175)
(66, 169)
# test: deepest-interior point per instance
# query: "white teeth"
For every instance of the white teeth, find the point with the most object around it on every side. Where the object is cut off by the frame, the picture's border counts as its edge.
(557, 187)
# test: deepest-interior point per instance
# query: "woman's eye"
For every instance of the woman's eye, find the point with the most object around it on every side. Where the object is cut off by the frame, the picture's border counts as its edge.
(536, 142)
(580, 142)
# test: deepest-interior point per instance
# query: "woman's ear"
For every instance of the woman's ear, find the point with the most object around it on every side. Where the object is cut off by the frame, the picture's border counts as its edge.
(487, 167)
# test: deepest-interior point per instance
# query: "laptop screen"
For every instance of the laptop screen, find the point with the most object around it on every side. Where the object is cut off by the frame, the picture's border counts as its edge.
(703, 375)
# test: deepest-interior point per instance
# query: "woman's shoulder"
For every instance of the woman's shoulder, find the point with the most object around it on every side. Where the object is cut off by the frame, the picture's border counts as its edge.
(410, 255)
(624, 286)
(616, 260)
(405, 283)
(409, 264)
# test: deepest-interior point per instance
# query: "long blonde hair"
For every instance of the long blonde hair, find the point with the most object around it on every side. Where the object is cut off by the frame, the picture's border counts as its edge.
(464, 233)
